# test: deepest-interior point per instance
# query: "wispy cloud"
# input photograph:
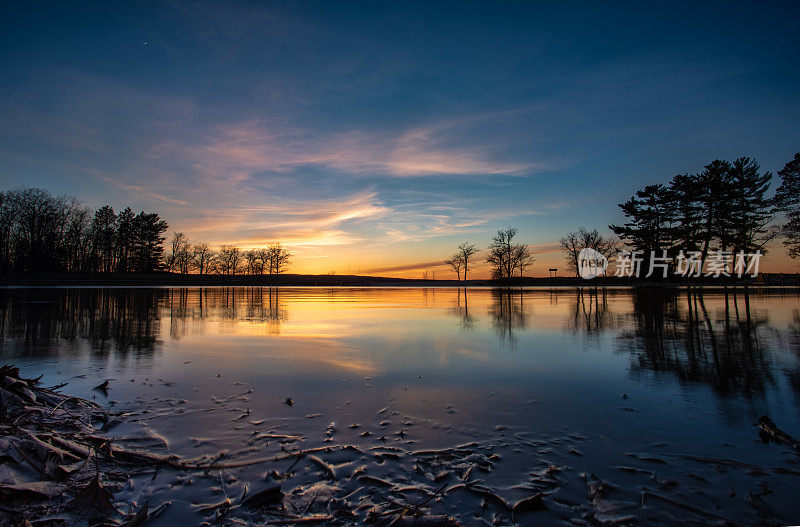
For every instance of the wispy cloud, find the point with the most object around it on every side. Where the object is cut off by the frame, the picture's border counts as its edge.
(545, 248)
(298, 223)
(137, 189)
(241, 149)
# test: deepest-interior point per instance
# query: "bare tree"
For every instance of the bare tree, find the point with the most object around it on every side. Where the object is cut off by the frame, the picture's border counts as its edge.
(202, 257)
(278, 258)
(467, 250)
(571, 247)
(455, 262)
(77, 238)
(572, 243)
(180, 258)
(253, 263)
(501, 253)
(264, 259)
(229, 259)
(521, 258)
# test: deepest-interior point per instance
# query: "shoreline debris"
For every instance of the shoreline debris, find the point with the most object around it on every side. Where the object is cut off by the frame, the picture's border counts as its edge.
(770, 431)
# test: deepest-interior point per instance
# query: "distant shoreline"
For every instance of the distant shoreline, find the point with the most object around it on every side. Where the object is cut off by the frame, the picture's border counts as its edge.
(297, 280)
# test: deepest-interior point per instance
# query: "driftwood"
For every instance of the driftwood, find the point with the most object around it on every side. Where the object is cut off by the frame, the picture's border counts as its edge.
(51, 434)
(770, 431)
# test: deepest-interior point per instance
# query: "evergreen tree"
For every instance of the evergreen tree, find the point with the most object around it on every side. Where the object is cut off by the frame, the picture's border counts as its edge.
(787, 200)
(749, 211)
(787, 195)
(711, 201)
(686, 217)
(649, 220)
(147, 247)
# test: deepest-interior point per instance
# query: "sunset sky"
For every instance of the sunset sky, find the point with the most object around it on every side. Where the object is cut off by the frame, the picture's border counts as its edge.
(374, 137)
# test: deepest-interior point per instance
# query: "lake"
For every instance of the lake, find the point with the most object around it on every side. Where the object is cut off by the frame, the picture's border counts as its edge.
(615, 406)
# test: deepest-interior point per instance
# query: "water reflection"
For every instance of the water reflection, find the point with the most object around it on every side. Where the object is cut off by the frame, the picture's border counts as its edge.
(230, 305)
(725, 347)
(591, 314)
(122, 320)
(461, 310)
(509, 313)
(729, 341)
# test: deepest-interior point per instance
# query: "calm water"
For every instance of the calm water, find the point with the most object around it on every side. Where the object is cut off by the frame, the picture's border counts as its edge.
(647, 391)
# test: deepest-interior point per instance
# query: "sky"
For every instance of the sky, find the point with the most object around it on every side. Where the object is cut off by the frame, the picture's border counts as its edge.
(374, 137)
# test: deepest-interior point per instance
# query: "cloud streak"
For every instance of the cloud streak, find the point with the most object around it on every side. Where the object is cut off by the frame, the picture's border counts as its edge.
(305, 223)
(241, 149)
(405, 267)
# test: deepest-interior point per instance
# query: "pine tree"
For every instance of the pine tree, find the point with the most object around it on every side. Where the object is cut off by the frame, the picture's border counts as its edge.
(649, 220)
(787, 200)
(749, 211)
(711, 200)
(686, 227)
(148, 242)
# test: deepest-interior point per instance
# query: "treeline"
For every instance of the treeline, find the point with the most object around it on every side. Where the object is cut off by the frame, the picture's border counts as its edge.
(725, 207)
(44, 233)
(186, 258)
(40, 232)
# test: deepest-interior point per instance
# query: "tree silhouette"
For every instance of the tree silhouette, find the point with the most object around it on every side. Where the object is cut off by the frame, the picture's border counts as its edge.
(501, 253)
(573, 242)
(148, 242)
(506, 257)
(787, 200)
(725, 206)
(104, 237)
(180, 259)
(711, 201)
(278, 258)
(749, 209)
(466, 251)
(455, 262)
(202, 257)
(686, 225)
(649, 217)
(521, 258)
(229, 259)
(253, 262)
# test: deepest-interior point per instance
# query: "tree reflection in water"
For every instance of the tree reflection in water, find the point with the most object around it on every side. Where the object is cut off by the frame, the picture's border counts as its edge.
(509, 312)
(230, 305)
(32, 321)
(717, 339)
(591, 314)
(461, 310)
(674, 332)
(793, 337)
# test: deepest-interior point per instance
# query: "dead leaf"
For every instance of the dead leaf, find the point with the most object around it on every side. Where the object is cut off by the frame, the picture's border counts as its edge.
(94, 498)
(139, 518)
(268, 496)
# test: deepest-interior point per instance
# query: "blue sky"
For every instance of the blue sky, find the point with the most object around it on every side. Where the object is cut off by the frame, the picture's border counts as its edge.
(376, 136)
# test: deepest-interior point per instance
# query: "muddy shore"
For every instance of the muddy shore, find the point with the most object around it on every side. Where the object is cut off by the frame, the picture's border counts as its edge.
(71, 461)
